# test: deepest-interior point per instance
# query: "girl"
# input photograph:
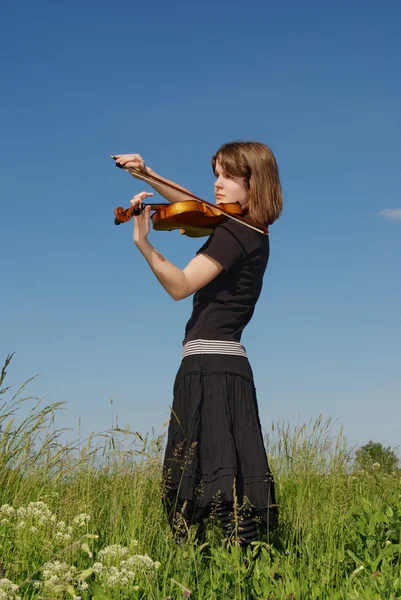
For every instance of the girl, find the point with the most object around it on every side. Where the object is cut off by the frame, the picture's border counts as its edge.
(215, 456)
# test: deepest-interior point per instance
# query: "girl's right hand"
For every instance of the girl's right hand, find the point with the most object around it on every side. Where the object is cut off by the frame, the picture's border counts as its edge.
(134, 161)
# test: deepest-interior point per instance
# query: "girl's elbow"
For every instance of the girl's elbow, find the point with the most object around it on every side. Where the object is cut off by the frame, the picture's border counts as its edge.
(179, 294)
(180, 290)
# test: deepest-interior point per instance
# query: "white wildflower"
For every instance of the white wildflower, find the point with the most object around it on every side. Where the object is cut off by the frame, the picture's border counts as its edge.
(113, 551)
(97, 567)
(8, 589)
(58, 572)
(81, 520)
(37, 513)
(38, 509)
(83, 585)
(33, 529)
(130, 566)
(139, 560)
(7, 511)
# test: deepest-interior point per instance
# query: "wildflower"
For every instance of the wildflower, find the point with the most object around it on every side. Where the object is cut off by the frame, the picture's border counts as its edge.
(116, 579)
(35, 510)
(97, 567)
(8, 589)
(7, 511)
(139, 560)
(57, 572)
(81, 520)
(64, 533)
(113, 551)
(83, 585)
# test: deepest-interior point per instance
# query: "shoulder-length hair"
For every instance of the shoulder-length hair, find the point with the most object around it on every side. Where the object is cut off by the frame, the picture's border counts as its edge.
(256, 163)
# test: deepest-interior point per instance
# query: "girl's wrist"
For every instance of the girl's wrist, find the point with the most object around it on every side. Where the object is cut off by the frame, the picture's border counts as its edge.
(143, 244)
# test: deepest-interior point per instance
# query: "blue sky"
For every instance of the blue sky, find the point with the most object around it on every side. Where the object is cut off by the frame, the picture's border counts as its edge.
(319, 83)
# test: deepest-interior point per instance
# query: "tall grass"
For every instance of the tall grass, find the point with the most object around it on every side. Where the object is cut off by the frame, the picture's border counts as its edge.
(338, 537)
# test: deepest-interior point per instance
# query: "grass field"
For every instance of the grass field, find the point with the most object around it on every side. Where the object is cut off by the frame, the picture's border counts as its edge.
(86, 521)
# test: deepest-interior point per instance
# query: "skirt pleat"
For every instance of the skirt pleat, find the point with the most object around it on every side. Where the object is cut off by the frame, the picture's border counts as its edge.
(215, 451)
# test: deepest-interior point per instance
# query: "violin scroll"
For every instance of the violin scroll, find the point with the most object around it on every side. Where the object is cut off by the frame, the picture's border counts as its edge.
(122, 215)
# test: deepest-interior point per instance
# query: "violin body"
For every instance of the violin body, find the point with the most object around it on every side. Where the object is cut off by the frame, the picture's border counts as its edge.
(192, 218)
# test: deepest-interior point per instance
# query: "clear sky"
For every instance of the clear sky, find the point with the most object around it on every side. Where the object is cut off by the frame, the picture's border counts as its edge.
(319, 82)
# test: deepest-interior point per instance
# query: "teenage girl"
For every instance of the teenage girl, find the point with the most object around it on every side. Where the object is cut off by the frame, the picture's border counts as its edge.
(215, 455)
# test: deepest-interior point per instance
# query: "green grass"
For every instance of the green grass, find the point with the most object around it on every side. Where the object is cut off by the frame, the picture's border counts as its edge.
(338, 538)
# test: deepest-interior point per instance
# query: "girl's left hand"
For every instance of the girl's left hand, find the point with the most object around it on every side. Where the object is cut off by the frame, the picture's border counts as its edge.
(142, 221)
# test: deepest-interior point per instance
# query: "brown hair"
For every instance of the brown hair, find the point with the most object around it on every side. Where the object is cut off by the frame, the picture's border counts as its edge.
(256, 163)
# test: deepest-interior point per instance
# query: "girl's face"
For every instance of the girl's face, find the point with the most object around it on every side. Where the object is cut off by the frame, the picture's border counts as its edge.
(228, 188)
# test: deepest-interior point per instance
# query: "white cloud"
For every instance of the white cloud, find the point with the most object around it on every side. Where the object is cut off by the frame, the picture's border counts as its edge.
(391, 213)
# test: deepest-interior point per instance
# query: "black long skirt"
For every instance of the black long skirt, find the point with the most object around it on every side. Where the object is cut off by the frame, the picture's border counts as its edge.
(215, 450)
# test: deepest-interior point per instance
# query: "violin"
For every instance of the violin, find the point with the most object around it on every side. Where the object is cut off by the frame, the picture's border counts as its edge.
(194, 216)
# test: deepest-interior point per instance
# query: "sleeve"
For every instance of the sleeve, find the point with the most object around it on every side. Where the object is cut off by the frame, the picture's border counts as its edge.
(224, 245)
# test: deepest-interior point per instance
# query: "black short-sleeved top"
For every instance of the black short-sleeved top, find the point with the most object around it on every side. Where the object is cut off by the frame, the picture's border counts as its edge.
(225, 306)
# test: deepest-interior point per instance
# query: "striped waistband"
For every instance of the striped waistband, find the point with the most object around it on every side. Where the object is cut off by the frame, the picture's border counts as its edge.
(213, 347)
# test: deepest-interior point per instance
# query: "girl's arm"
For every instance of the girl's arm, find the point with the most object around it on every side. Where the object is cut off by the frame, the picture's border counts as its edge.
(136, 161)
(200, 271)
(180, 283)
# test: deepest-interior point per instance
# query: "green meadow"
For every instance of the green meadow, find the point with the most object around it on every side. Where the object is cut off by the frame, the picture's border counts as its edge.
(85, 520)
